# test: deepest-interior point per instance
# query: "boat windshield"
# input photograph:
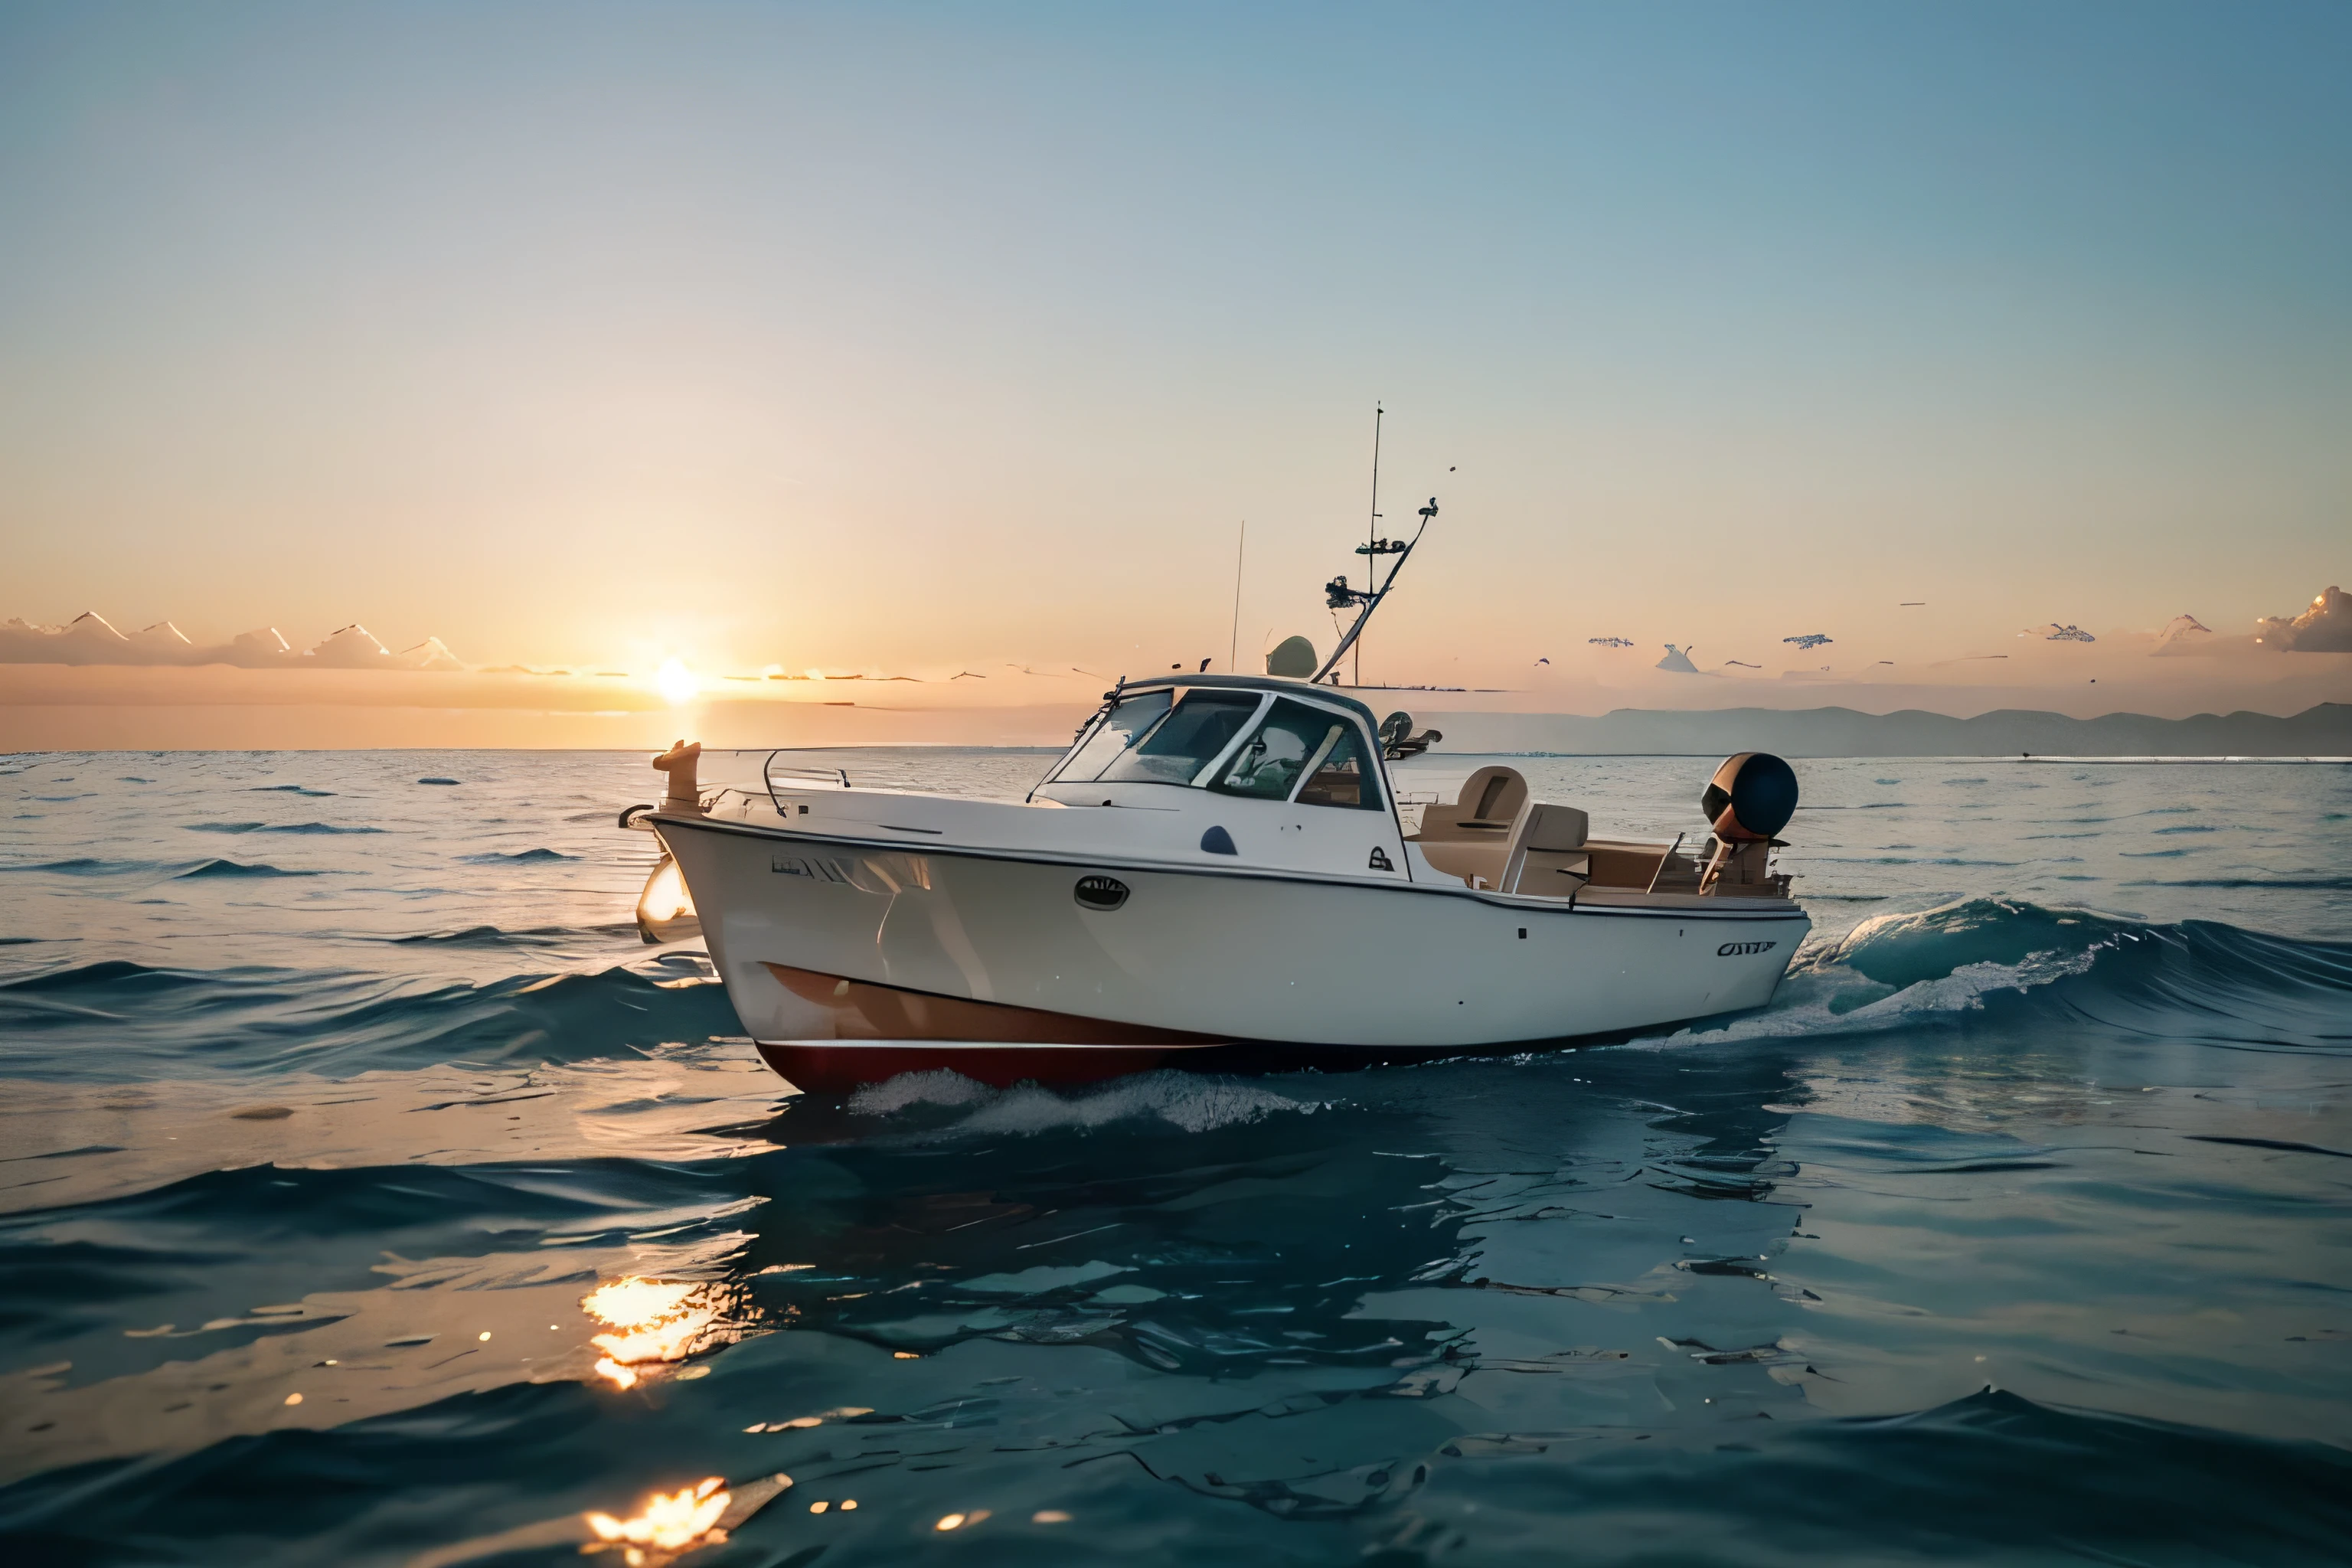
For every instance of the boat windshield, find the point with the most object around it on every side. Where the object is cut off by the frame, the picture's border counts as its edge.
(1310, 754)
(1131, 719)
(1145, 740)
(1342, 778)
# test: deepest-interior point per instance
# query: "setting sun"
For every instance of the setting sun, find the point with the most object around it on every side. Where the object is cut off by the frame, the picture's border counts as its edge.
(677, 683)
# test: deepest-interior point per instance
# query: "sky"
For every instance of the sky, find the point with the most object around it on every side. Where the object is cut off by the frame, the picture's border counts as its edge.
(909, 338)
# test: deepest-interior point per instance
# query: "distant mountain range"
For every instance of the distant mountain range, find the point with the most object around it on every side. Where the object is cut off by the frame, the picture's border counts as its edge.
(2323, 730)
(90, 638)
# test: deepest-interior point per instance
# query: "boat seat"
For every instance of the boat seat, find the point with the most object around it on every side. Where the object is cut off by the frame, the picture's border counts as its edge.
(1618, 863)
(1546, 854)
(1479, 865)
(1485, 812)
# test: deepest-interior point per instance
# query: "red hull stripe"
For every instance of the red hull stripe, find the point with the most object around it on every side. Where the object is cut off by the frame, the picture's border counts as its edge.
(829, 1067)
(881, 1031)
(862, 1010)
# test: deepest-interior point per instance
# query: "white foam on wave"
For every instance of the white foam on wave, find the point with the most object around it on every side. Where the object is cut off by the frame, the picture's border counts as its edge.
(1963, 990)
(1191, 1103)
(1961, 919)
(940, 1086)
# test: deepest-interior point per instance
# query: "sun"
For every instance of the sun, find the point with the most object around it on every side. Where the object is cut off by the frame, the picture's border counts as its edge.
(677, 683)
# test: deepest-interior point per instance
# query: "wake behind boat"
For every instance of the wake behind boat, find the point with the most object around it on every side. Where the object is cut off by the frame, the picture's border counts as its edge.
(1219, 865)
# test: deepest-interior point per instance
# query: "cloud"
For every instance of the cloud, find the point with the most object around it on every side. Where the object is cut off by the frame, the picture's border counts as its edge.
(350, 647)
(2184, 637)
(2325, 627)
(90, 638)
(430, 654)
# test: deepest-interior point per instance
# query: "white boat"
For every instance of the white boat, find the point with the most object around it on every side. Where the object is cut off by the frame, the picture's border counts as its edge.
(1218, 868)
(1218, 861)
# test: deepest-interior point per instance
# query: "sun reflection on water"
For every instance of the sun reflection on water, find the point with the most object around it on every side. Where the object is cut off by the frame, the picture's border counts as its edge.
(654, 1321)
(670, 1522)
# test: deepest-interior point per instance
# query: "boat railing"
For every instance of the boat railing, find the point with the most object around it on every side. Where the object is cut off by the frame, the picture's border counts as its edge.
(773, 771)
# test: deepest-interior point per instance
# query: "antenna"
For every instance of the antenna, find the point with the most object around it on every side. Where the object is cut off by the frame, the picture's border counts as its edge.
(1338, 595)
(1233, 651)
(1372, 527)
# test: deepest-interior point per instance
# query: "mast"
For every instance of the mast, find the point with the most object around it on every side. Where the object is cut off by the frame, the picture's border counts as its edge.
(1233, 650)
(1372, 527)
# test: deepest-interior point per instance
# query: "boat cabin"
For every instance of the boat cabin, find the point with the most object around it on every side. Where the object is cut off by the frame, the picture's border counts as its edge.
(1287, 744)
(1256, 738)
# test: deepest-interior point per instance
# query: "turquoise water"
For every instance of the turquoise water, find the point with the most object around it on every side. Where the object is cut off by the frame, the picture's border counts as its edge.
(2015, 1230)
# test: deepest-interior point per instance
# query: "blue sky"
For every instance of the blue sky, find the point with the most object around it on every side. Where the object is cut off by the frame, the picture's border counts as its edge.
(884, 333)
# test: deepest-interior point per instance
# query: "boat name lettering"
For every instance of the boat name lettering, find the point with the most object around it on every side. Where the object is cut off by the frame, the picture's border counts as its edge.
(1729, 948)
(1100, 892)
(1379, 861)
(816, 870)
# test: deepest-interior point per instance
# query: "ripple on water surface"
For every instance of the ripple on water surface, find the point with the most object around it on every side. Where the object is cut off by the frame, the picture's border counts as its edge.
(413, 1212)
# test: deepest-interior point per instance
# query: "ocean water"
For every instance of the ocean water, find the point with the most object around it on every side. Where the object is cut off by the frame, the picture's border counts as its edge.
(338, 1107)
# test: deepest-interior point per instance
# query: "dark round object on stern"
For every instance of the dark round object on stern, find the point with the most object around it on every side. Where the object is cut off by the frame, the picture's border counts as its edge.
(1751, 796)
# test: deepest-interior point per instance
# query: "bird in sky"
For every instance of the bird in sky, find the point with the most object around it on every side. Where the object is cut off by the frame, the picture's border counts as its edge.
(1611, 642)
(1810, 641)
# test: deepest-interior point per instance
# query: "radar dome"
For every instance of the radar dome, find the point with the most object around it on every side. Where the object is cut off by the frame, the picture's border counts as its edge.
(1294, 658)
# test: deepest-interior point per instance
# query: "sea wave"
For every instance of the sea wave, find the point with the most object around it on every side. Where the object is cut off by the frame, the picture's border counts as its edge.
(92, 865)
(2333, 884)
(298, 827)
(1992, 1477)
(2196, 980)
(582, 1201)
(492, 936)
(1905, 948)
(239, 868)
(264, 1018)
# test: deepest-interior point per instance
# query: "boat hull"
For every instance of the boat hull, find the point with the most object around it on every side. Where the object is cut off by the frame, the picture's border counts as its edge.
(824, 942)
